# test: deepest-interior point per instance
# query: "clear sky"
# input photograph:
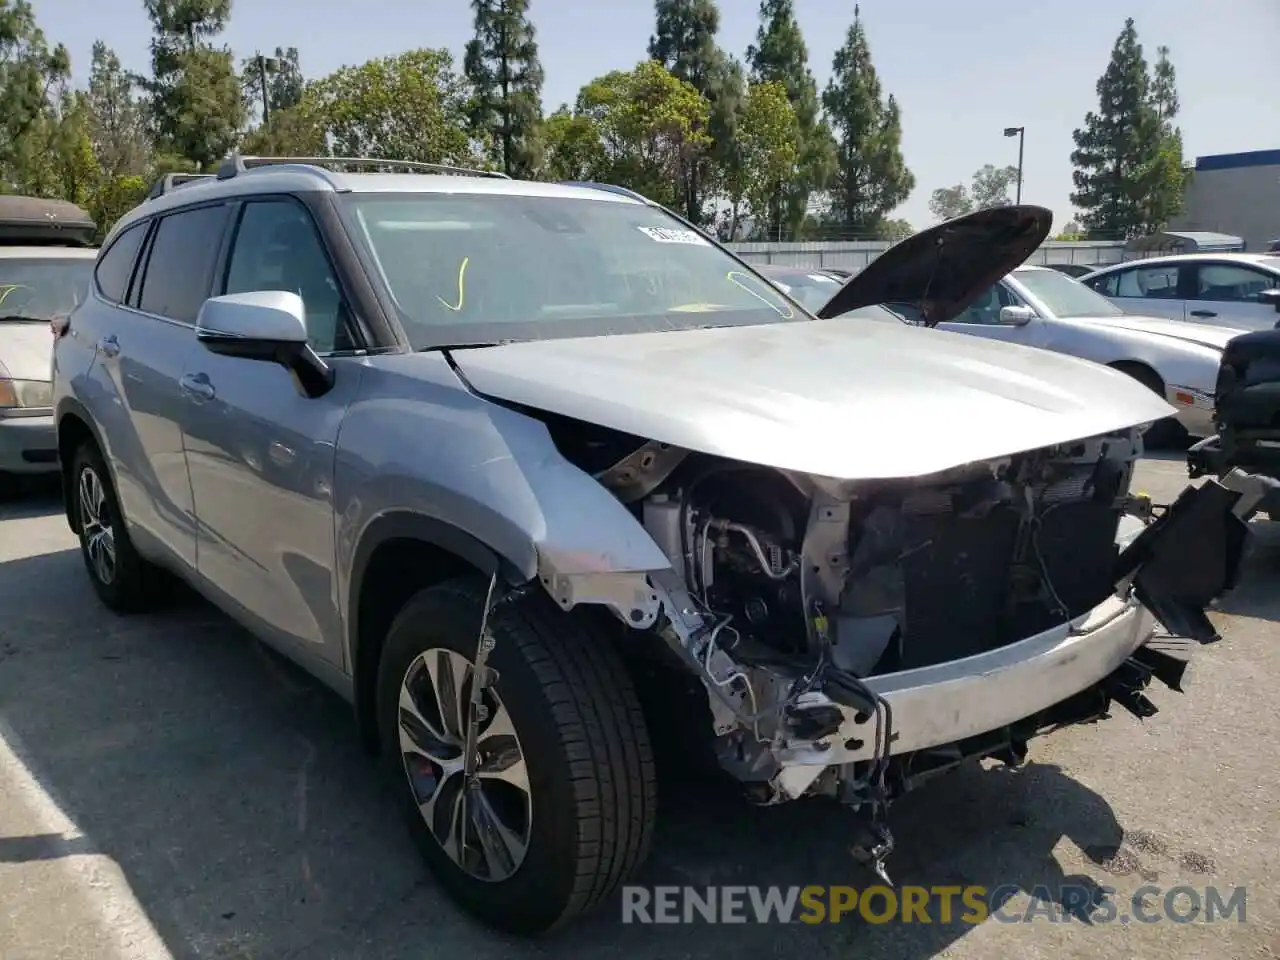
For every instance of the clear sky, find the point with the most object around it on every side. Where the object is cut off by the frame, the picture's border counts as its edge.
(962, 71)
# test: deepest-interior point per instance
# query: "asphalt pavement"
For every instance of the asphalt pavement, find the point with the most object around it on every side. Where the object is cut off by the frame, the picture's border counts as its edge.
(168, 789)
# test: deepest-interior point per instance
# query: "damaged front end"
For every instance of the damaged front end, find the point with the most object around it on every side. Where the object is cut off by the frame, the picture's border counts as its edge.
(855, 637)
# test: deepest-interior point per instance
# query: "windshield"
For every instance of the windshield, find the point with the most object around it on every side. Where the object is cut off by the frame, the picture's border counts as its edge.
(33, 289)
(1064, 296)
(468, 268)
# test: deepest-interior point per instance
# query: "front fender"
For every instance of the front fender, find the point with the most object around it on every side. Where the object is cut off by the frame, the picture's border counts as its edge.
(418, 443)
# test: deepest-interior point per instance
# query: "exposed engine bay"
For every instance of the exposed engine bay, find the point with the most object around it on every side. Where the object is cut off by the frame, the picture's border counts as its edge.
(790, 596)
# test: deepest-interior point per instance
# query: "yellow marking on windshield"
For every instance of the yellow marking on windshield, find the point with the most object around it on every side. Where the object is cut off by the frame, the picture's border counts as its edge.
(462, 288)
(785, 312)
(8, 288)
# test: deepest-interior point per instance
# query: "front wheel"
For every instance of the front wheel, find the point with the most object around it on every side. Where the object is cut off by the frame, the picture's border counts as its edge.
(558, 806)
(1165, 434)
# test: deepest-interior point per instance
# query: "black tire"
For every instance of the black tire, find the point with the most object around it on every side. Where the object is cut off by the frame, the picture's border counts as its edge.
(129, 588)
(1163, 434)
(583, 738)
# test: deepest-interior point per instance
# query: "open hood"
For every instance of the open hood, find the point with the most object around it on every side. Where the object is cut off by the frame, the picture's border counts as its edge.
(945, 268)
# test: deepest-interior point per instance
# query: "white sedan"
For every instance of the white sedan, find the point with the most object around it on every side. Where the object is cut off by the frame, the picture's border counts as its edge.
(1041, 307)
(1239, 290)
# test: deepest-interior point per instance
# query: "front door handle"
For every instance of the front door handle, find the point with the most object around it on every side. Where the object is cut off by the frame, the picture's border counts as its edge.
(1203, 313)
(109, 346)
(197, 385)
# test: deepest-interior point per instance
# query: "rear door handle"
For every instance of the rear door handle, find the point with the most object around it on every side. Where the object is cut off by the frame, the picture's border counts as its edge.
(1203, 313)
(109, 346)
(197, 385)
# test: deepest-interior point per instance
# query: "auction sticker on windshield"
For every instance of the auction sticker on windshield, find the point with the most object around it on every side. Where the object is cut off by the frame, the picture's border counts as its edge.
(669, 235)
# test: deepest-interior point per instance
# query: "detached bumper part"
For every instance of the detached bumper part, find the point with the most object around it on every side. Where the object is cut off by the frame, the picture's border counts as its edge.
(1187, 558)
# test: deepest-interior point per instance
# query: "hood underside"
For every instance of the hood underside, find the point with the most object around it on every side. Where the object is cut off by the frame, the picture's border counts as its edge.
(831, 398)
(945, 268)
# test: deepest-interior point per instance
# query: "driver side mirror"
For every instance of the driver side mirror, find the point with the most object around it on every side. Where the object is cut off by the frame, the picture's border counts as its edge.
(265, 325)
(1016, 316)
(1272, 297)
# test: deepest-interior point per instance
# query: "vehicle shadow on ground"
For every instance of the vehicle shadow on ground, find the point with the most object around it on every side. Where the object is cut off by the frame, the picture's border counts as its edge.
(31, 497)
(231, 790)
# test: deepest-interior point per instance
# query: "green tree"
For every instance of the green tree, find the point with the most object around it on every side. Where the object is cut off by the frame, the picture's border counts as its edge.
(502, 65)
(1164, 178)
(871, 177)
(947, 203)
(571, 146)
(769, 153)
(117, 122)
(991, 186)
(298, 131)
(1117, 145)
(285, 83)
(30, 74)
(196, 100)
(412, 106)
(649, 124)
(779, 54)
(684, 42)
(894, 230)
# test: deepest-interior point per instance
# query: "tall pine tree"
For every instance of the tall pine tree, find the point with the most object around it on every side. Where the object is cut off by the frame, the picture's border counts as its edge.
(780, 55)
(506, 76)
(196, 103)
(1117, 146)
(1164, 179)
(871, 177)
(684, 41)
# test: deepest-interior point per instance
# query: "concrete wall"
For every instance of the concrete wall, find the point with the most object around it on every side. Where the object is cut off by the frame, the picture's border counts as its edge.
(854, 255)
(1238, 194)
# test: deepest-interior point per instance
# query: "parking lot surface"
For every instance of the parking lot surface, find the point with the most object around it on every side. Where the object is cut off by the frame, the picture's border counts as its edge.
(170, 789)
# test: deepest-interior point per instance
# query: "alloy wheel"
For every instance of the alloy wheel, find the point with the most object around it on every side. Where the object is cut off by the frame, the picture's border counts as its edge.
(96, 527)
(479, 812)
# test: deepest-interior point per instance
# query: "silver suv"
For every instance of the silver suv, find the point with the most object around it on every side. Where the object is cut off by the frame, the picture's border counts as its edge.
(529, 471)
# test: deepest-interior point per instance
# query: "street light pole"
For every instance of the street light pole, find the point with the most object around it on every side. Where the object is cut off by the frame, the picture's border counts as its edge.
(265, 65)
(1020, 133)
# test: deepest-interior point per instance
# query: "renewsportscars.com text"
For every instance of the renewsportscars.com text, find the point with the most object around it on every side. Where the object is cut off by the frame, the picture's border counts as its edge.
(937, 904)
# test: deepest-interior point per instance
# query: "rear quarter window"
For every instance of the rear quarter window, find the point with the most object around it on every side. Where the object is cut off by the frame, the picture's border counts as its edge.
(115, 265)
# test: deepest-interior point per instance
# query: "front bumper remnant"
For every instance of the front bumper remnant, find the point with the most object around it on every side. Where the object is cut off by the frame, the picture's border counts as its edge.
(1169, 573)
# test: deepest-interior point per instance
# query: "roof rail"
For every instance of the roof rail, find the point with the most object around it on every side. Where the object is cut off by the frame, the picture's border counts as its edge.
(235, 165)
(607, 188)
(172, 181)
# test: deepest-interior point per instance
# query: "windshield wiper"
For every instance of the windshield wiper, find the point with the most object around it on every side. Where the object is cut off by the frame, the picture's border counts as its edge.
(467, 346)
(21, 318)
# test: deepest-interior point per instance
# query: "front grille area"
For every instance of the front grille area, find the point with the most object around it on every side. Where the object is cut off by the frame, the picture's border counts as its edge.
(969, 584)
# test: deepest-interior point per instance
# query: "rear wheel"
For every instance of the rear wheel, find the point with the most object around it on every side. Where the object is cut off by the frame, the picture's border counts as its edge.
(558, 808)
(122, 579)
(1163, 434)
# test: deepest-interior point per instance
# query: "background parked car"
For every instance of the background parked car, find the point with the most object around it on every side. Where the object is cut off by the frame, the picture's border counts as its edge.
(810, 287)
(1222, 289)
(1041, 307)
(45, 266)
(1076, 270)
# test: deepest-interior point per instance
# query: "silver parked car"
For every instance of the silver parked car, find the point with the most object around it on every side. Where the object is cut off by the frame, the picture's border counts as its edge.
(526, 471)
(46, 260)
(1238, 290)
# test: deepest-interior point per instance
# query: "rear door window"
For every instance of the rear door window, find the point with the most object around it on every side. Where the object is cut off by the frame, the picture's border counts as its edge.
(180, 266)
